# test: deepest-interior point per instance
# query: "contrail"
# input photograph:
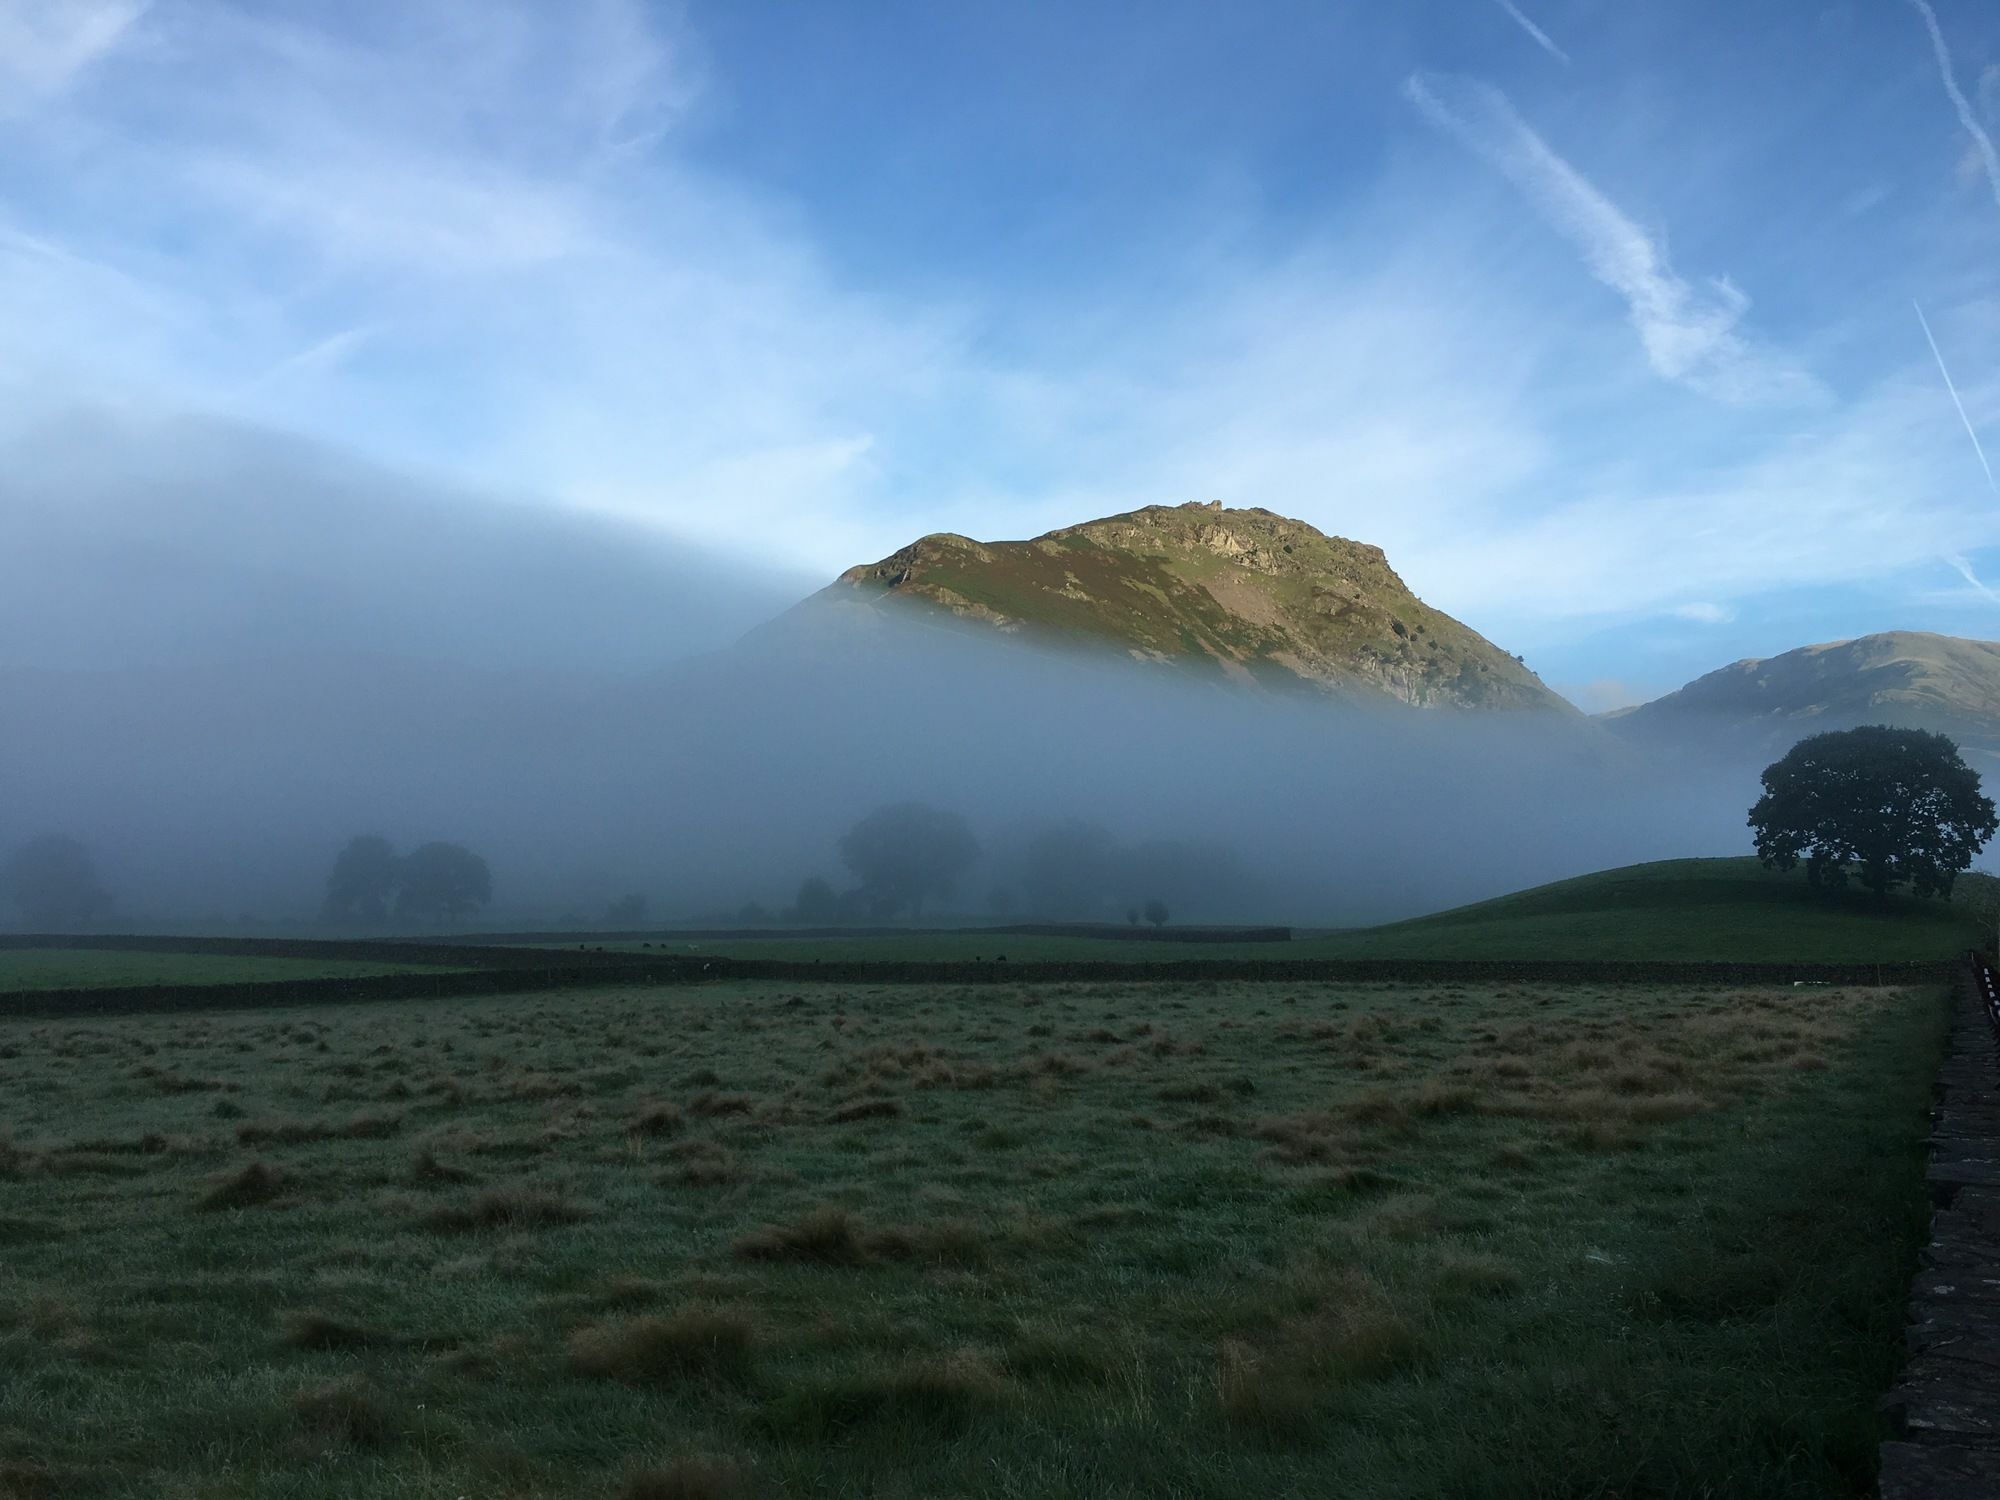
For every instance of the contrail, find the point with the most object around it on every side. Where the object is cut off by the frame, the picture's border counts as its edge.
(1981, 141)
(1965, 571)
(1541, 37)
(1970, 431)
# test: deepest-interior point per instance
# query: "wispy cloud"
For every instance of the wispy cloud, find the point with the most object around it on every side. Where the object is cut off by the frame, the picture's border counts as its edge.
(1982, 143)
(1541, 37)
(1689, 333)
(1970, 431)
(1963, 566)
(1704, 613)
(45, 44)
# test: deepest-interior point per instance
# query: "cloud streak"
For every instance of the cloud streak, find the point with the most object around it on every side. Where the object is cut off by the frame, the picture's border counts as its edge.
(1982, 143)
(1970, 431)
(1541, 37)
(1689, 333)
(46, 44)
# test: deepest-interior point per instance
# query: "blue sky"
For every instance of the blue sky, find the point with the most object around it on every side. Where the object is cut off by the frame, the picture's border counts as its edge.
(1598, 315)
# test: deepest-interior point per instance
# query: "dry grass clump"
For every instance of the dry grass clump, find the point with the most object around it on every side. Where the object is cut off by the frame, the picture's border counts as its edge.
(427, 1171)
(1658, 1109)
(255, 1183)
(1474, 1273)
(1255, 1394)
(309, 1328)
(1309, 1136)
(519, 1207)
(348, 1411)
(1059, 1357)
(709, 1104)
(828, 1236)
(938, 1394)
(866, 1109)
(834, 1236)
(705, 1163)
(696, 1342)
(658, 1119)
(690, 1477)
(1192, 1093)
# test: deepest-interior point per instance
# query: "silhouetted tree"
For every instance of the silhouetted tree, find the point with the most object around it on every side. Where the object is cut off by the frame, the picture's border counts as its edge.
(628, 910)
(1156, 912)
(816, 905)
(905, 853)
(445, 881)
(1900, 803)
(363, 880)
(53, 883)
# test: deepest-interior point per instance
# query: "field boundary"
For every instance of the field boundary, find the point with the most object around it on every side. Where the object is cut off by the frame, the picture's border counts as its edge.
(574, 969)
(1946, 1406)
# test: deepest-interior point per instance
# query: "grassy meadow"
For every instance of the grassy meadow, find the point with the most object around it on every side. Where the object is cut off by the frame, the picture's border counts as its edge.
(95, 968)
(1192, 1240)
(1722, 910)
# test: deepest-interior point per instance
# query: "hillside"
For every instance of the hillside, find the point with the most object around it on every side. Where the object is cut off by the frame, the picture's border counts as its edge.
(1720, 909)
(1694, 910)
(1244, 595)
(1907, 678)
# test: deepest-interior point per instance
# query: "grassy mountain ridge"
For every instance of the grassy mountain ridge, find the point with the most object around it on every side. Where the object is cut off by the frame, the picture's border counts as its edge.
(1908, 678)
(1246, 595)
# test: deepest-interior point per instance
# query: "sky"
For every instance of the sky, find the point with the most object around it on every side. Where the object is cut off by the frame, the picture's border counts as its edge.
(1643, 336)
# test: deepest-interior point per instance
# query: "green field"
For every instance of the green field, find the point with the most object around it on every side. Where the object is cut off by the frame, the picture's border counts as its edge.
(95, 968)
(1729, 910)
(1190, 1240)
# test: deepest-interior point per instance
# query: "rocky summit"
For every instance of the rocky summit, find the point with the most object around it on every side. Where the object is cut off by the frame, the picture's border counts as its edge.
(1247, 595)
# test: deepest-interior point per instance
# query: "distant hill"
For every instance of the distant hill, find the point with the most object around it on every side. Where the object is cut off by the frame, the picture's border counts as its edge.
(1242, 595)
(1905, 677)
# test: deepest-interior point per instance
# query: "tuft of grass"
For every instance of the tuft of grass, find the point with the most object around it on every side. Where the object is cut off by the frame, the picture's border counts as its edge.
(934, 1395)
(427, 1171)
(518, 1207)
(828, 1236)
(1053, 1356)
(690, 1477)
(658, 1119)
(256, 1182)
(347, 1411)
(866, 1109)
(706, 1163)
(308, 1328)
(1257, 1395)
(699, 1342)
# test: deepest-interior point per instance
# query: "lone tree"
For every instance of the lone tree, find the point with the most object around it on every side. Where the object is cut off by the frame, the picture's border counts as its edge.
(1899, 803)
(53, 883)
(443, 881)
(1156, 912)
(909, 851)
(363, 881)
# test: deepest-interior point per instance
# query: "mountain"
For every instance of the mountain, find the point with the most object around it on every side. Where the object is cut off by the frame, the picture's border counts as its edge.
(1908, 678)
(1244, 595)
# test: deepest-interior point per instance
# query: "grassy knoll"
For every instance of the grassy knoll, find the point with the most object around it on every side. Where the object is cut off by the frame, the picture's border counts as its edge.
(1722, 909)
(1194, 1240)
(89, 968)
(1727, 910)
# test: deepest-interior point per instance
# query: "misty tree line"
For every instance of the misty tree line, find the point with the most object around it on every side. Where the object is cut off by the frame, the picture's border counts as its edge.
(51, 880)
(370, 882)
(903, 859)
(910, 856)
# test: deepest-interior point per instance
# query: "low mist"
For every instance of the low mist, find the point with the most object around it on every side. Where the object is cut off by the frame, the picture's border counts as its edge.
(227, 654)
